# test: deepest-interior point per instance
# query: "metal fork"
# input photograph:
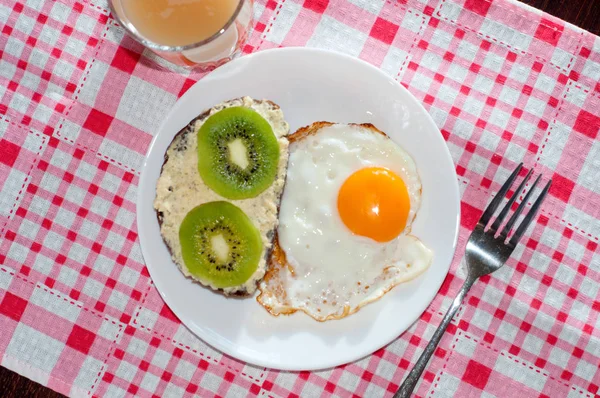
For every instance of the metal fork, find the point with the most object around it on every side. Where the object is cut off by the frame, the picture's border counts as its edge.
(487, 250)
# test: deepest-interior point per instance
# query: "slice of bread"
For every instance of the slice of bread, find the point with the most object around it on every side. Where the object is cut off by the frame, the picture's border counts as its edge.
(180, 188)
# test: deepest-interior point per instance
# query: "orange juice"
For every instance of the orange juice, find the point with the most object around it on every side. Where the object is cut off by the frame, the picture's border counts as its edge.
(178, 22)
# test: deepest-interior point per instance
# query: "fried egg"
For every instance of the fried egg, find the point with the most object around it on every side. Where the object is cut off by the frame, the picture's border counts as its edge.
(350, 198)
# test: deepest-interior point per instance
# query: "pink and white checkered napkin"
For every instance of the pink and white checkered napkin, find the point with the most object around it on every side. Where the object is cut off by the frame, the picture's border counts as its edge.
(81, 102)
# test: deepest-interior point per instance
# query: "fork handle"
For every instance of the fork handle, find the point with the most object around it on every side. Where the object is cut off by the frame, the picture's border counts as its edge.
(411, 380)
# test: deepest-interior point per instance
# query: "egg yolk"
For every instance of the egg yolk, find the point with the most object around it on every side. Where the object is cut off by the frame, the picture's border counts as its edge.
(374, 202)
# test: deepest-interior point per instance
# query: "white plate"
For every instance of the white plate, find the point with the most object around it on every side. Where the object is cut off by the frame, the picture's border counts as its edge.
(309, 85)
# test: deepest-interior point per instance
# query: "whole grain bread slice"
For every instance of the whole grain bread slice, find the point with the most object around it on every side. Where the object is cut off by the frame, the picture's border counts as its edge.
(179, 144)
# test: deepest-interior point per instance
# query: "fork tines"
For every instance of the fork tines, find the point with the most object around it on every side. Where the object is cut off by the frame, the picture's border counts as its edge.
(495, 203)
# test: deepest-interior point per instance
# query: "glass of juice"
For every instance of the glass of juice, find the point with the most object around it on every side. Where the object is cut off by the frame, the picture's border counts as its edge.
(190, 33)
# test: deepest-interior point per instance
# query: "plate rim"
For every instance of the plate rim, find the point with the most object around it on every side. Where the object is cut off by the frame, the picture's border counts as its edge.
(207, 339)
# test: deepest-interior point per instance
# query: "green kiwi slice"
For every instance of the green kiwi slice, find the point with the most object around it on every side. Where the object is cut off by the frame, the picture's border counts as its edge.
(220, 245)
(238, 153)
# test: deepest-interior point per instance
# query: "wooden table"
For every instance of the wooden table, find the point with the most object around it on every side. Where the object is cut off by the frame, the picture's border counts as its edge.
(583, 13)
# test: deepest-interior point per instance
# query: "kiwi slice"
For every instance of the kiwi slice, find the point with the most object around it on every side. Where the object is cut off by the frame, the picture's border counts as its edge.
(238, 153)
(220, 245)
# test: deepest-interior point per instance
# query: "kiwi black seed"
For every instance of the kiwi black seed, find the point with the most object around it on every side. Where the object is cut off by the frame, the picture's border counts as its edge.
(238, 153)
(219, 244)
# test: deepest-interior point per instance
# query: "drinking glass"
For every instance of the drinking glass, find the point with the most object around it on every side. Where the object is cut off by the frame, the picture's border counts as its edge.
(206, 54)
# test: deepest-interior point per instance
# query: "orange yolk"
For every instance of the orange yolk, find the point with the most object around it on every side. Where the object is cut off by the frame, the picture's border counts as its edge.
(374, 202)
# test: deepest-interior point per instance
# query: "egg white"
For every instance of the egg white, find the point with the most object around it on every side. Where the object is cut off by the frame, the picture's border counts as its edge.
(324, 269)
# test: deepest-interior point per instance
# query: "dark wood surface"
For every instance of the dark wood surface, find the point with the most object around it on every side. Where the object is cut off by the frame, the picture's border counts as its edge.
(583, 13)
(12, 385)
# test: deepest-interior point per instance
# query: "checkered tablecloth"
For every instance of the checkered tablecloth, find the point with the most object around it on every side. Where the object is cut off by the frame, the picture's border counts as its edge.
(81, 102)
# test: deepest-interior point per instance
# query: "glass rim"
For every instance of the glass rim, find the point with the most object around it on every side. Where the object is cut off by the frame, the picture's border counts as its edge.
(129, 28)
